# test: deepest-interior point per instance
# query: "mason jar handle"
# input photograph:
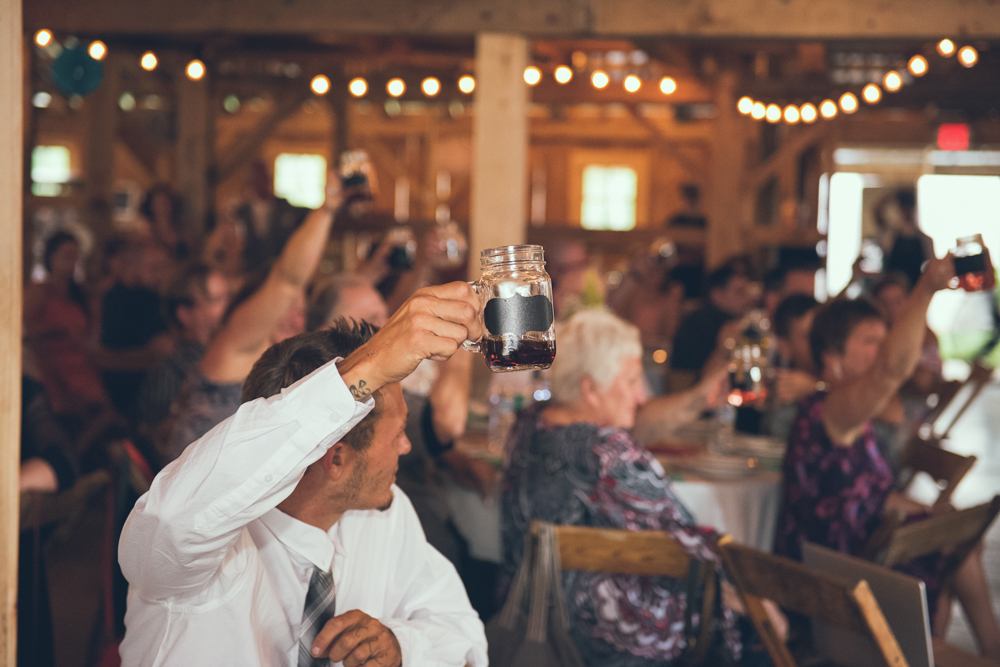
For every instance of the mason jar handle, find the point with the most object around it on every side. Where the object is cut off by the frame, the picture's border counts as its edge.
(468, 345)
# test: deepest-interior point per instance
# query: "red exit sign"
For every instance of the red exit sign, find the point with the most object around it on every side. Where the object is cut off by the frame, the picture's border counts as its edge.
(953, 137)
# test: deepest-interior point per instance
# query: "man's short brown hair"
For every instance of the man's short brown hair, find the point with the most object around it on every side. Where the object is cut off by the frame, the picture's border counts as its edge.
(287, 362)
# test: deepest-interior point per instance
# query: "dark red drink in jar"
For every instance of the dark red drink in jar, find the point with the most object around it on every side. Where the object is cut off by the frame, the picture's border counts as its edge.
(520, 354)
(973, 267)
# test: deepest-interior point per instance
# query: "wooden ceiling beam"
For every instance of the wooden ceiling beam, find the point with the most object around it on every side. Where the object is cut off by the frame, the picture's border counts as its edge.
(782, 19)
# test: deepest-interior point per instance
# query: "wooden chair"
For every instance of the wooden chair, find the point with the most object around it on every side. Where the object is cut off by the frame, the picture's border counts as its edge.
(950, 395)
(953, 534)
(946, 468)
(642, 552)
(794, 586)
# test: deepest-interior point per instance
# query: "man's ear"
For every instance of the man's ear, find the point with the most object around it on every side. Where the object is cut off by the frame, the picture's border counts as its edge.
(336, 460)
(588, 389)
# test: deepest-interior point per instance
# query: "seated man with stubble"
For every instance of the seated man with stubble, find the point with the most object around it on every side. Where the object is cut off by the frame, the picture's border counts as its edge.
(279, 538)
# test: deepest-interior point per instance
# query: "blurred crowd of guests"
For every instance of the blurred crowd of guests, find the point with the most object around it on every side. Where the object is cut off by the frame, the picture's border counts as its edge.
(154, 351)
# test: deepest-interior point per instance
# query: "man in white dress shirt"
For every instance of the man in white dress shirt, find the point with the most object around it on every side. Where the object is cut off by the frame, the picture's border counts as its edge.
(279, 537)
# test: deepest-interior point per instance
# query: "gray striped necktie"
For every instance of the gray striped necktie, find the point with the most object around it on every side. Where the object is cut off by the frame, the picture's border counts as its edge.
(319, 609)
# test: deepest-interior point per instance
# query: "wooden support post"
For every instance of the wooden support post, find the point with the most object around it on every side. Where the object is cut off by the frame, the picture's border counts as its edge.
(499, 145)
(11, 161)
(99, 163)
(195, 142)
(725, 207)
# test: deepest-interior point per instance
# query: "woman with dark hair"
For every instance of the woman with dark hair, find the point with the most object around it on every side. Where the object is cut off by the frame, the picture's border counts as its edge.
(56, 328)
(837, 485)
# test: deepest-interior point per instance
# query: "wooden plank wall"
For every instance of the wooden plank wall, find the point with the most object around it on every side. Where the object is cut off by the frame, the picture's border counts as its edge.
(11, 159)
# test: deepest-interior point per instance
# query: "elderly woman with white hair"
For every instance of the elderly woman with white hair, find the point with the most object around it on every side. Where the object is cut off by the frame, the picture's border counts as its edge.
(573, 462)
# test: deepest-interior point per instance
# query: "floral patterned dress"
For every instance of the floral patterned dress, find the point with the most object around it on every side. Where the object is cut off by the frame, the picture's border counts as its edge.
(588, 476)
(834, 496)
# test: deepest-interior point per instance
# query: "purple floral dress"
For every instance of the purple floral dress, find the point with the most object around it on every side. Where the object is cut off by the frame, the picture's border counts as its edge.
(834, 496)
(588, 476)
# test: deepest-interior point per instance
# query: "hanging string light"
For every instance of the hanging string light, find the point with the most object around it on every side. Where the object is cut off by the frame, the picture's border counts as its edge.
(632, 83)
(195, 70)
(968, 56)
(97, 50)
(871, 93)
(599, 79)
(43, 38)
(791, 114)
(828, 109)
(563, 74)
(772, 113)
(148, 61)
(395, 87)
(532, 75)
(358, 86)
(892, 81)
(946, 48)
(668, 86)
(758, 111)
(848, 103)
(745, 105)
(431, 86)
(808, 112)
(466, 84)
(917, 65)
(320, 84)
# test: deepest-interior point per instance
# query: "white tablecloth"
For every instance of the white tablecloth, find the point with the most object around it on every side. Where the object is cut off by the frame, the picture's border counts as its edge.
(746, 509)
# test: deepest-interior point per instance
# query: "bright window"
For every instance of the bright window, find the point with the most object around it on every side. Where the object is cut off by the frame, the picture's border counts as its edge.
(50, 170)
(301, 179)
(609, 197)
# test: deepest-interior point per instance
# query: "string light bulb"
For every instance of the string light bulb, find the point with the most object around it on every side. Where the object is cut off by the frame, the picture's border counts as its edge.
(917, 65)
(395, 87)
(968, 56)
(871, 93)
(148, 61)
(632, 83)
(532, 75)
(772, 113)
(466, 84)
(946, 48)
(599, 79)
(563, 74)
(828, 109)
(357, 86)
(745, 105)
(97, 50)
(892, 81)
(43, 38)
(758, 111)
(791, 114)
(431, 86)
(848, 103)
(320, 84)
(668, 85)
(808, 112)
(195, 70)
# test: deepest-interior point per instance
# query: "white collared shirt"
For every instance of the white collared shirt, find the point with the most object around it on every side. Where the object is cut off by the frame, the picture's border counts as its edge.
(218, 575)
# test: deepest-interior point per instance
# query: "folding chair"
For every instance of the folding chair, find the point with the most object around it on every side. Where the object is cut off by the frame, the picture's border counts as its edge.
(952, 396)
(642, 552)
(794, 586)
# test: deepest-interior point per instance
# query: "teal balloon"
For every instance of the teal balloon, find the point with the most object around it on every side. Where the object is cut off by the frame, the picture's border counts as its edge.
(76, 73)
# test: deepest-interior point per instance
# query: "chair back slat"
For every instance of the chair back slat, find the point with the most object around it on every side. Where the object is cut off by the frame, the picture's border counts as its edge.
(954, 533)
(646, 552)
(945, 467)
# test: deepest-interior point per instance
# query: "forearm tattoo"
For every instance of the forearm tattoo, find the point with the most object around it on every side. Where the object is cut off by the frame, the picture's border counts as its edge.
(360, 391)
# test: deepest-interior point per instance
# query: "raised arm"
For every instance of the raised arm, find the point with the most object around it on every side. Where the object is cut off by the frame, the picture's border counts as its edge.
(249, 328)
(850, 405)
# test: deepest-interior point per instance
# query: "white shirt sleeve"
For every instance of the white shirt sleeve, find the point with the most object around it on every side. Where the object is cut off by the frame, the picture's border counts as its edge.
(180, 532)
